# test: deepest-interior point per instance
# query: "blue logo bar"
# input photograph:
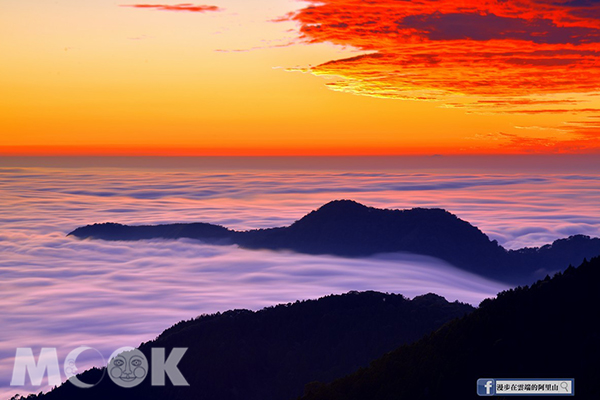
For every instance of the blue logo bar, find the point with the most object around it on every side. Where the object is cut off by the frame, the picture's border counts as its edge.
(526, 387)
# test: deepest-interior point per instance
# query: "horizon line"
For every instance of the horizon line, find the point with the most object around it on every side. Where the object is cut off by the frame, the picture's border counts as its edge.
(151, 151)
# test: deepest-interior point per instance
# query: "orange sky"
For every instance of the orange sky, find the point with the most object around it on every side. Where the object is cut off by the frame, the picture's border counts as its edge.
(279, 77)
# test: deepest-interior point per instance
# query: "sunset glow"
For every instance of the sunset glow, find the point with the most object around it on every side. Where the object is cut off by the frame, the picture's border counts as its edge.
(224, 77)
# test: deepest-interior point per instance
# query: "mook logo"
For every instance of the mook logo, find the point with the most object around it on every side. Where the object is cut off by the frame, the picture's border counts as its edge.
(127, 367)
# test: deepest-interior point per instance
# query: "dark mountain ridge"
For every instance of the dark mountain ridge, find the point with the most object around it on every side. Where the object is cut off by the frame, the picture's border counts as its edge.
(547, 330)
(272, 353)
(347, 228)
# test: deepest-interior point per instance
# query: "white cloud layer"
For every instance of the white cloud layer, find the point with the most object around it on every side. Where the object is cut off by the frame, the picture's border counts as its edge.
(62, 292)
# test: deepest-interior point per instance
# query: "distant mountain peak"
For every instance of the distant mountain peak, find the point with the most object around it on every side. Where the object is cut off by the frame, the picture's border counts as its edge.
(351, 207)
(430, 296)
(351, 229)
(337, 209)
(343, 205)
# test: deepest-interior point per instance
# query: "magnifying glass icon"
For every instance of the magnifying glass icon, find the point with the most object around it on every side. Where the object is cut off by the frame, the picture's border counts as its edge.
(565, 386)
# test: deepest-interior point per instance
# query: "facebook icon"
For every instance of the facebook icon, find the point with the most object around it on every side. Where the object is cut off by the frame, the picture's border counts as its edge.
(486, 387)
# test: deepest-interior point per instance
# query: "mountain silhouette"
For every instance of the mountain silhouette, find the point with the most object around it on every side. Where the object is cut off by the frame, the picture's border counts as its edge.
(547, 330)
(272, 353)
(347, 228)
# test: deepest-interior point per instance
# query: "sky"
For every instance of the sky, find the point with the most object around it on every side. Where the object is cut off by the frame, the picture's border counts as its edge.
(286, 77)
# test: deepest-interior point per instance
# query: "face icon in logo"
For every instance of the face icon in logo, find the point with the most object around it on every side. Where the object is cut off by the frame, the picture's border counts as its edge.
(128, 369)
(71, 367)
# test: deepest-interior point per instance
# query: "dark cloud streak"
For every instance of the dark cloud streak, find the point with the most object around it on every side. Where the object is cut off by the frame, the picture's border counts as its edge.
(176, 7)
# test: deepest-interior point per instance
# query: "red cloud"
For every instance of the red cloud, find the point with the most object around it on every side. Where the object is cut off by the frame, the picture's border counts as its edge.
(580, 142)
(435, 49)
(176, 7)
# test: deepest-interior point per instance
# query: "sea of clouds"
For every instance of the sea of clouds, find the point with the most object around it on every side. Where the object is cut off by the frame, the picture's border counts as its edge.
(57, 291)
